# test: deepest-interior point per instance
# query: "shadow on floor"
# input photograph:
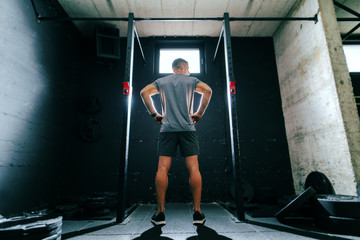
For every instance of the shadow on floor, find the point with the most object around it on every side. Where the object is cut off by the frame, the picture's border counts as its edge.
(153, 234)
(205, 233)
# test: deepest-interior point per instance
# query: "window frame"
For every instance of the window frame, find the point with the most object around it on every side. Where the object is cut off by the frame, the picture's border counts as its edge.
(179, 44)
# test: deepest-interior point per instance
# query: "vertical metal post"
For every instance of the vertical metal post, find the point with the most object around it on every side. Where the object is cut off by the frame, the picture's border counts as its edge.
(233, 121)
(126, 121)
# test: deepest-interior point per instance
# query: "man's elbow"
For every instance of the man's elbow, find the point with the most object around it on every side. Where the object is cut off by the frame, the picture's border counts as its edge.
(142, 92)
(208, 91)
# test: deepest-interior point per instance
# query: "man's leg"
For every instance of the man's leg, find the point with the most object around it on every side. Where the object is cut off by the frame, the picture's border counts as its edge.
(161, 181)
(195, 180)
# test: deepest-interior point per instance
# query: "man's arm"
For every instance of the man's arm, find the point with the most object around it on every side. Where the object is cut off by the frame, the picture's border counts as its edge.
(146, 94)
(206, 92)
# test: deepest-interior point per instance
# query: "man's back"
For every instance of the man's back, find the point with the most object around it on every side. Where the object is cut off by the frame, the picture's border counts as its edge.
(176, 95)
(177, 130)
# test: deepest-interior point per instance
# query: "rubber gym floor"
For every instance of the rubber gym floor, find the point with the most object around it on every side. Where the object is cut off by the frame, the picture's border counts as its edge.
(220, 224)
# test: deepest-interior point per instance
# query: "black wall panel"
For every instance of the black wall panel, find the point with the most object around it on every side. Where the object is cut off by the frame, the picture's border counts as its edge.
(96, 158)
(263, 146)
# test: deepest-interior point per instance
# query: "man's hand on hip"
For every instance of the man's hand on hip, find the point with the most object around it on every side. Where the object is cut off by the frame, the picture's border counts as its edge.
(158, 118)
(196, 117)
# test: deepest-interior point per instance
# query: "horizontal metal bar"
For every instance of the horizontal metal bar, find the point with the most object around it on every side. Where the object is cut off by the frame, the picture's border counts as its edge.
(273, 19)
(230, 19)
(178, 19)
(351, 41)
(40, 18)
(348, 19)
(124, 19)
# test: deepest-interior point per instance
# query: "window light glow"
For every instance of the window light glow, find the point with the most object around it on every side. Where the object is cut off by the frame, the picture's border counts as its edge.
(352, 55)
(168, 55)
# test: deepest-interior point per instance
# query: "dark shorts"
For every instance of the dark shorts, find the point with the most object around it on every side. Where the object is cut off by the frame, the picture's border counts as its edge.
(187, 141)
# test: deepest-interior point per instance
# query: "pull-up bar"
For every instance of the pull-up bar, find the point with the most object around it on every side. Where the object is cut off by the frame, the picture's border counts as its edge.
(243, 19)
(125, 19)
(315, 19)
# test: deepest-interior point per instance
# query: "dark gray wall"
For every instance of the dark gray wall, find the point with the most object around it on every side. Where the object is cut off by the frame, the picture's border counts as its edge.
(95, 166)
(263, 145)
(38, 76)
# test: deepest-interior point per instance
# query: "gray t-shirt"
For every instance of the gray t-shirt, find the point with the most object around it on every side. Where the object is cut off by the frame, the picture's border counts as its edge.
(177, 98)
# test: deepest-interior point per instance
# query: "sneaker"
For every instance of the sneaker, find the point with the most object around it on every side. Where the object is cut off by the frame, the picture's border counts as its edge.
(199, 218)
(158, 219)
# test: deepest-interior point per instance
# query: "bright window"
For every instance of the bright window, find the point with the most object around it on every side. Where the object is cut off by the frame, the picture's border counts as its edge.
(352, 54)
(168, 55)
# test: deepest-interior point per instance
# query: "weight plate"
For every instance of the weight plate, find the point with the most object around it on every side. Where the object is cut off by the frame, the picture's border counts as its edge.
(319, 182)
(339, 205)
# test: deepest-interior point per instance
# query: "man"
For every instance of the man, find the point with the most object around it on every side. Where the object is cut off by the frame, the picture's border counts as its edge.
(177, 129)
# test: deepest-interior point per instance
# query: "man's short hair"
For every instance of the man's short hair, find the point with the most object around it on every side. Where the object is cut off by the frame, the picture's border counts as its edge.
(177, 63)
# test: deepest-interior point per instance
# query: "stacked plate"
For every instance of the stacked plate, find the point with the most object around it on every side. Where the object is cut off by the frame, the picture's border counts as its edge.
(31, 227)
(338, 213)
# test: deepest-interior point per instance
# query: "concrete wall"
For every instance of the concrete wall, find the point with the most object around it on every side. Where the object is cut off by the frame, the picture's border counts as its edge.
(321, 122)
(38, 74)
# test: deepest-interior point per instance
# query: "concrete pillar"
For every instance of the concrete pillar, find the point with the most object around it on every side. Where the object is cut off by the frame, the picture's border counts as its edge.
(321, 121)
